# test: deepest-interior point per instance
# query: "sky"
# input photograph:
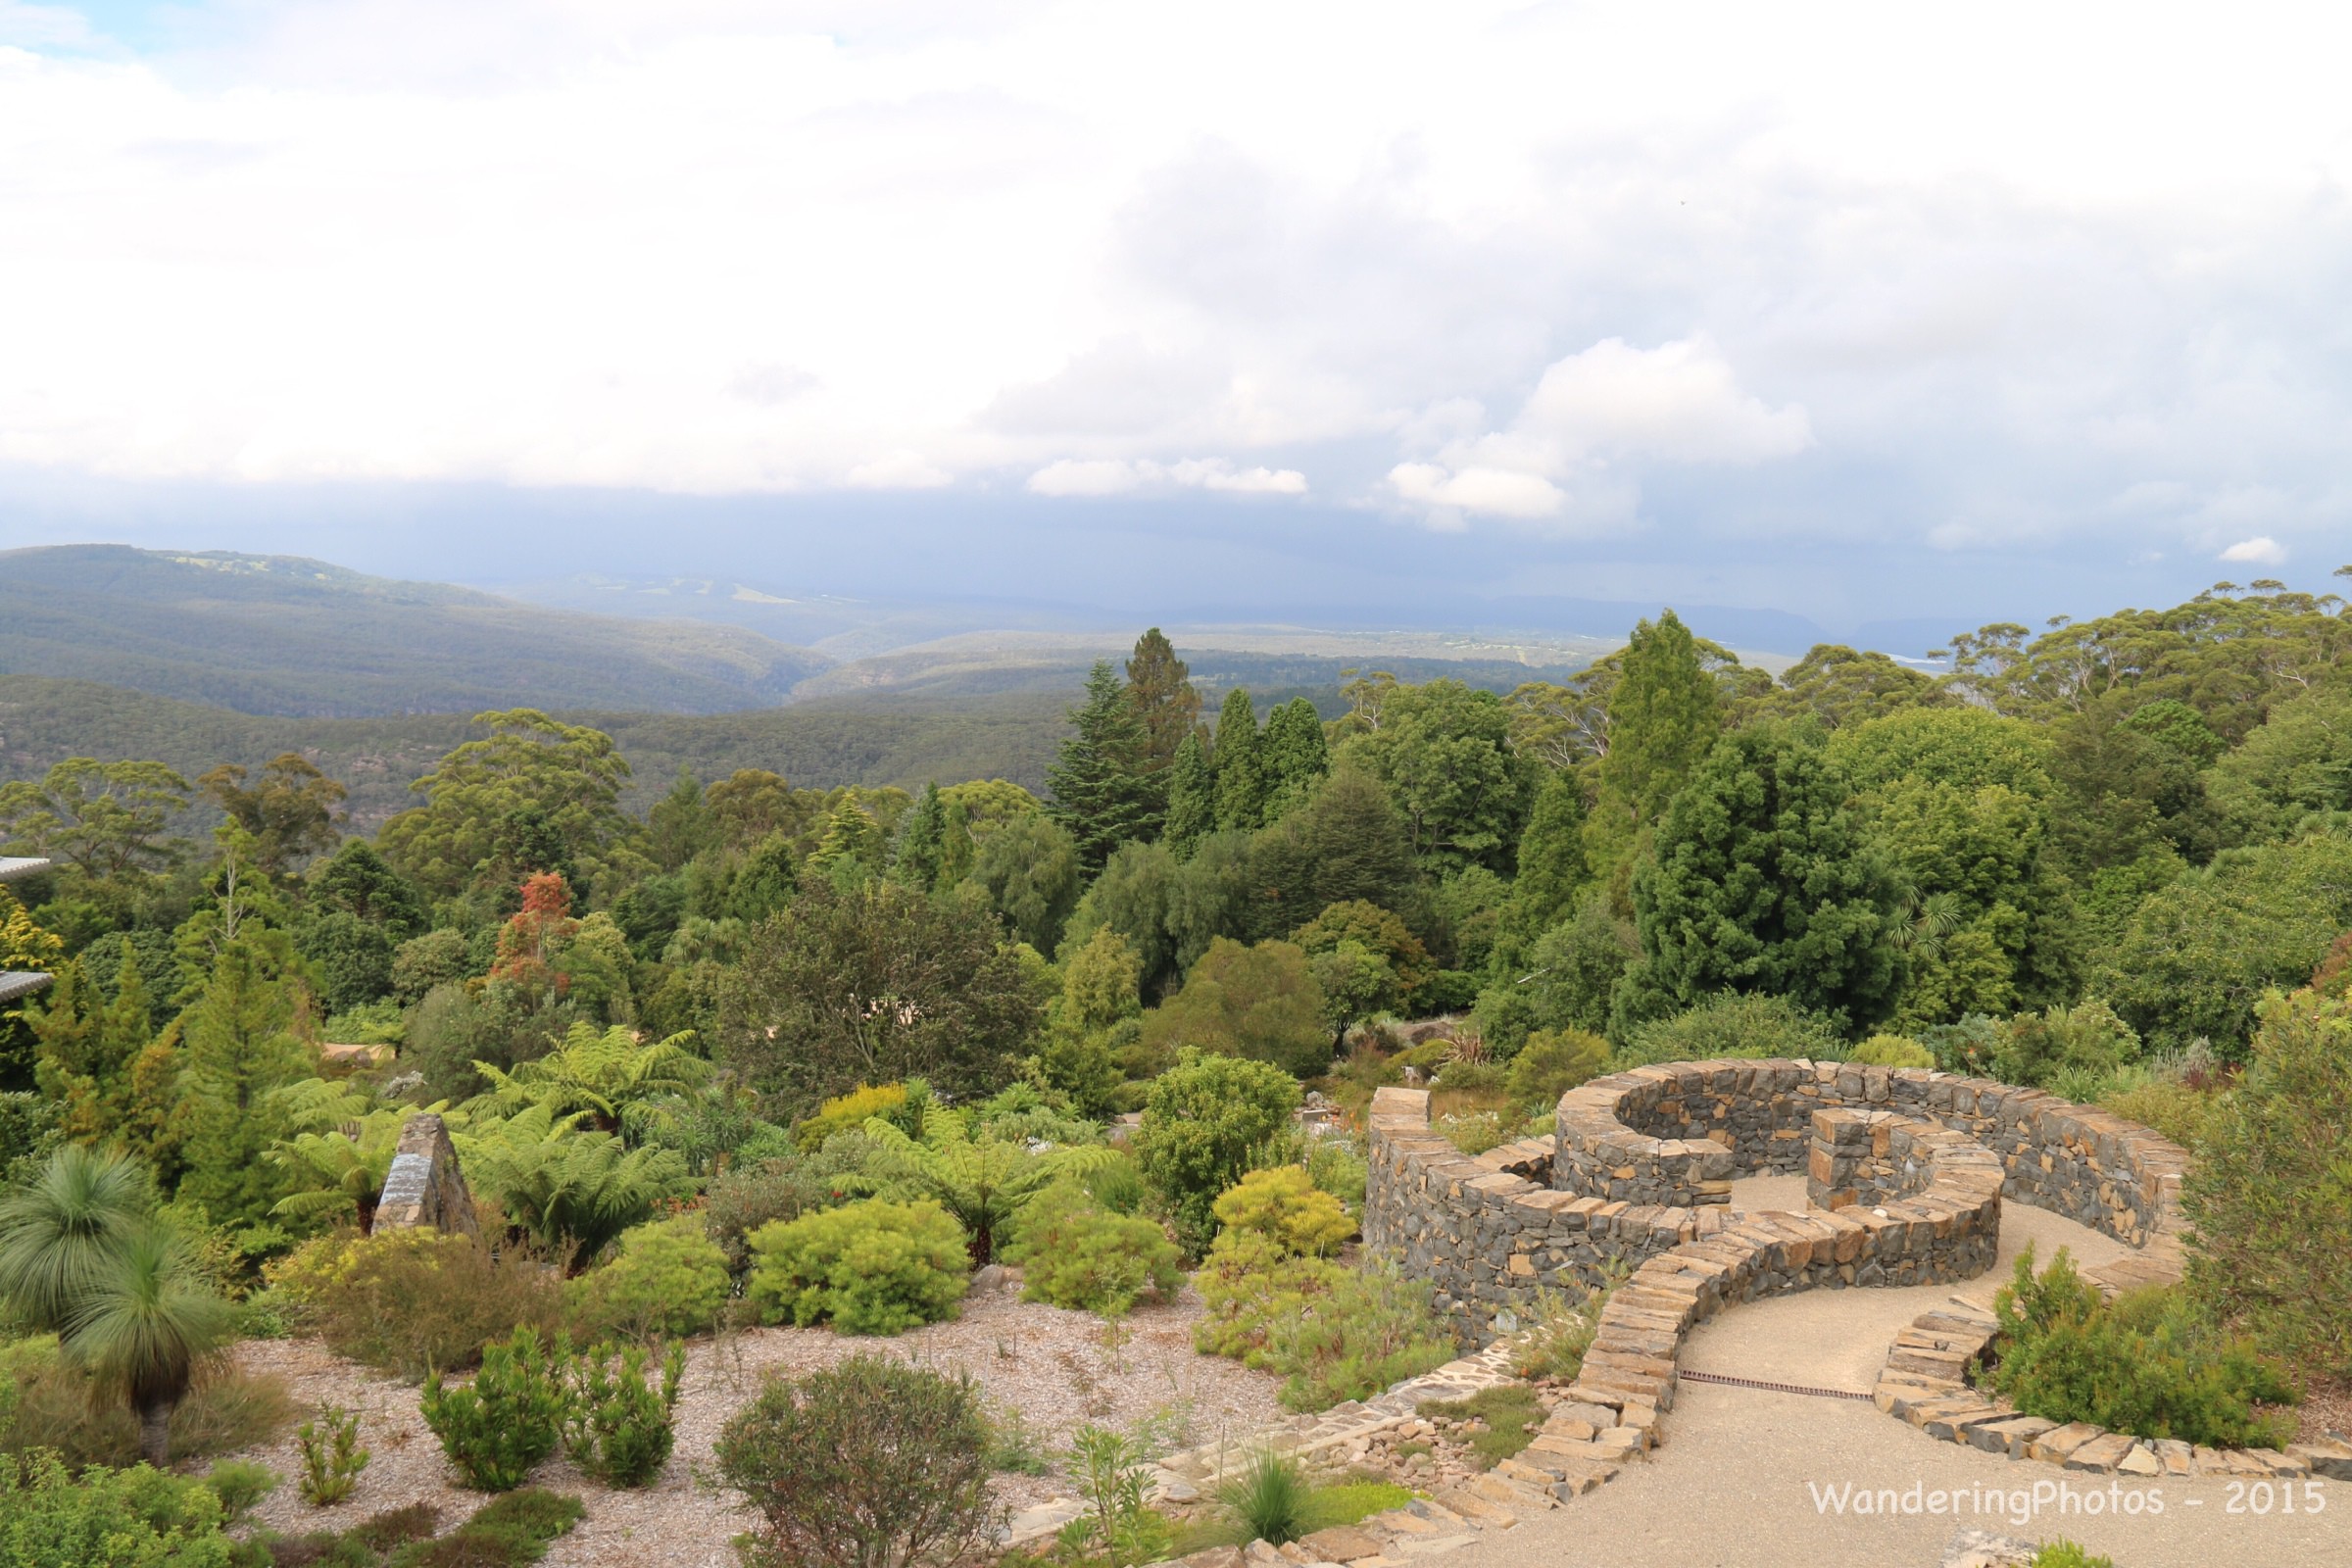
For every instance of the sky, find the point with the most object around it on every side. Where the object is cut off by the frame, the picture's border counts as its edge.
(1888, 316)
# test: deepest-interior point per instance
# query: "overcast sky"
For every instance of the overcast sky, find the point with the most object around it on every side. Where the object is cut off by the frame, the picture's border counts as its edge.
(1862, 312)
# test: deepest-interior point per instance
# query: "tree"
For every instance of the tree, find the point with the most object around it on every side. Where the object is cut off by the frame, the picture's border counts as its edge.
(1573, 968)
(2297, 762)
(682, 825)
(89, 1045)
(1103, 791)
(1204, 1120)
(851, 840)
(921, 851)
(1839, 687)
(1346, 842)
(1664, 715)
(874, 985)
(1029, 870)
(24, 947)
(1099, 984)
(1292, 754)
(1760, 881)
(240, 1046)
(534, 795)
(1240, 771)
(1192, 796)
(1443, 752)
(571, 1188)
(350, 961)
(103, 818)
(1552, 872)
(983, 1182)
(360, 882)
(1161, 690)
(2270, 1194)
(1132, 897)
(65, 1230)
(1379, 932)
(1260, 1003)
(290, 811)
(606, 1077)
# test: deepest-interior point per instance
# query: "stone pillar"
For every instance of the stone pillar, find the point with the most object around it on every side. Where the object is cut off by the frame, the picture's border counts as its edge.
(424, 1186)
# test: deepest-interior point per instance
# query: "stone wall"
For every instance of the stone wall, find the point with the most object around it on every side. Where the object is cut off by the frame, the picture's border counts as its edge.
(1644, 1161)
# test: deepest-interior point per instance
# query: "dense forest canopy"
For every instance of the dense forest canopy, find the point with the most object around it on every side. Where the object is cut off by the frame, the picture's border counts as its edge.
(2091, 859)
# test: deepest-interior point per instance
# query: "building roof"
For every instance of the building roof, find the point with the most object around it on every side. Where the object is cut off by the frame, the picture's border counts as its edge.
(13, 866)
(15, 983)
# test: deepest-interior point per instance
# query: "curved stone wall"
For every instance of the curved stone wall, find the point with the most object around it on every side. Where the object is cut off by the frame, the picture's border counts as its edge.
(1643, 1164)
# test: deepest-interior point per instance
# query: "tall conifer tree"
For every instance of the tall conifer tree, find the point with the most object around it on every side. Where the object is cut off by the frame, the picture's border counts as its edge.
(1663, 715)
(1192, 796)
(1101, 792)
(922, 842)
(1241, 770)
(1292, 754)
(1159, 685)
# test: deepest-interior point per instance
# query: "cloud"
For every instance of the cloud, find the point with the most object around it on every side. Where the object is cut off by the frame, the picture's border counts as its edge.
(1118, 476)
(1590, 417)
(2261, 551)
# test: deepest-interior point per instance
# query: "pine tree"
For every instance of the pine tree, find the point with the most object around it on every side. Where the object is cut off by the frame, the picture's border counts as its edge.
(851, 834)
(1240, 771)
(240, 1046)
(922, 842)
(1102, 793)
(1192, 796)
(1552, 871)
(1292, 754)
(1159, 687)
(88, 1046)
(1663, 715)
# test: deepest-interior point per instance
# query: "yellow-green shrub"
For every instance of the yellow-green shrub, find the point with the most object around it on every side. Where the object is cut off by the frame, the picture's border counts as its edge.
(1284, 1204)
(1891, 1050)
(875, 1267)
(1552, 1063)
(1074, 1252)
(410, 1300)
(667, 1278)
(848, 1112)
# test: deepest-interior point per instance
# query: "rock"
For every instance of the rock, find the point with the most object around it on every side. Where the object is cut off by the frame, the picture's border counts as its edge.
(1339, 1543)
(1981, 1549)
(994, 1277)
(424, 1186)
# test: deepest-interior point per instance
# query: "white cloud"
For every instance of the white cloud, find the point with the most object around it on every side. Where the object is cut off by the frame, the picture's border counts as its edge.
(1488, 260)
(1610, 405)
(1112, 477)
(2261, 549)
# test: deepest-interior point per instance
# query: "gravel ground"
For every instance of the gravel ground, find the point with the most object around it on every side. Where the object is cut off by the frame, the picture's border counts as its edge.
(1055, 1369)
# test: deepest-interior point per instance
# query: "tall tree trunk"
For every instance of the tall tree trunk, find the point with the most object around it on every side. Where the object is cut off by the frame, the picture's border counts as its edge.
(155, 1431)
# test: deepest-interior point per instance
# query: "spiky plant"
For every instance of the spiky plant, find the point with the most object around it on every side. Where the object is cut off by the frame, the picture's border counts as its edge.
(983, 1182)
(601, 1075)
(145, 1328)
(572, 1187)
(65, 1231)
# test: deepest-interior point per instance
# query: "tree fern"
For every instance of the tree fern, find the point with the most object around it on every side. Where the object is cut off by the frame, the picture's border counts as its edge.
(603, 1076)
(983, 1182)
(572, 1187)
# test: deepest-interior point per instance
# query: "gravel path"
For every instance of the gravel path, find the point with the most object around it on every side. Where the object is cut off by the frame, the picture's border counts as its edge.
(1054, 1368)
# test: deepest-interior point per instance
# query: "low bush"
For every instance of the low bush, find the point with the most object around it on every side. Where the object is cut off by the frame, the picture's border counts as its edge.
(761, 1192)
(1205, 1120)
(1558, 1329)
(667, 1279)
(410, 1302)
(48, 1402)
(499, 1429)
(1345, 1502)
(1734, 1024)
(1248, 1287)
(506, 1533)
(2067, 1554)
(50, 1518)
(1891, 1050)
(240, 1484)
(850, 1112)
(331, 1456)
(1077, 1255)
(1503, 1420)
(1269, 1497)
(867, 1461)
(2165, 1104)
(2146, 1363)
(1284, 1206)
(1552, 1063)
(2035, 1046)
(1336, 1166)
(1473, 1132)
(618, 1422)
(871, 1267)
(1374, 1328)
(394, 1528)
(1111, 1470)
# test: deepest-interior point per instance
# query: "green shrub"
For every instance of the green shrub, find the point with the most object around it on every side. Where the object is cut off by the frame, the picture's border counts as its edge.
(668, 1279)
(850, 1112)
(506, 1533)
(1734, 1024)
(498, 1430)
(1248, 1287)
(2270, 1196)
(2167, 1105)
(873, 1267)
(240, 1484)
(2033, 1047)
(1473, 1132)
(1558, 1329)
(1119, 1527)
(331, 1456)
(1333, 1164)
(1204, 1120)
(1077, 1255)
(2146, 1363)
(1552, 1063)
(1283, 1204)
(413, 1300)
(2067, 1554)
(134, 1518)
(1891, 1050)
(617, 1423)
(393, 1528)
(1507, 1418)
(1373, 1329)
(1346, 1502)
(1013, 1446)
(1269, 1497)
(867, 1461)
(742, 1200)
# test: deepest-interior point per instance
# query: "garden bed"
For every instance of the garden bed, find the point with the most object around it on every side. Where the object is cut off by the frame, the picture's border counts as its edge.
(1056, 1370)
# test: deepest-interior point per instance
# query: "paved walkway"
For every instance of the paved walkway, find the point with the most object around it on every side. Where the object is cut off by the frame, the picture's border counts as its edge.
(1731, 1485)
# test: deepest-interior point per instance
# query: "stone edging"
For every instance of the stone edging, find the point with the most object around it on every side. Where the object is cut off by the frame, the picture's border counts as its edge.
(1925, 1382)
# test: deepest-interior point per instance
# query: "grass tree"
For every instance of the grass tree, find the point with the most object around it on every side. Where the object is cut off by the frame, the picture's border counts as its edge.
(82, 1256)
(982, 1180)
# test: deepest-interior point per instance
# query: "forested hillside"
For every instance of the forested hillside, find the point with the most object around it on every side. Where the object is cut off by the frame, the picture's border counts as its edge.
(768, 1011)
(278, 634)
